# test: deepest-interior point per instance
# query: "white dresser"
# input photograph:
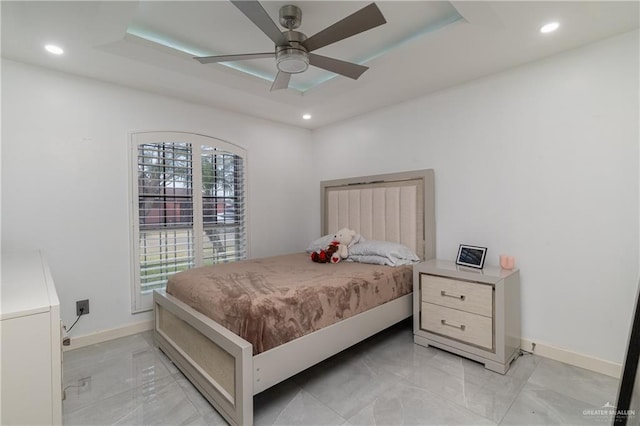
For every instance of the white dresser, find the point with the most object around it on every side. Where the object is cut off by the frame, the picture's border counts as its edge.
(473, 313)
(30, 345)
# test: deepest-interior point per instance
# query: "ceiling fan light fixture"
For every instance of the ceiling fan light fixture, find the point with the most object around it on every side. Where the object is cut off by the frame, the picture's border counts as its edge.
(52, 48)
(549, 28)
(292, 61)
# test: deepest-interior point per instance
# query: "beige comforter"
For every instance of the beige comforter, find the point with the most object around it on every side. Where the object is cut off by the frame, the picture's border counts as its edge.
(273, 300)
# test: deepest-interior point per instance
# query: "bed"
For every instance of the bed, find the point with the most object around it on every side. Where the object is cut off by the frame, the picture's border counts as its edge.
(229, 370)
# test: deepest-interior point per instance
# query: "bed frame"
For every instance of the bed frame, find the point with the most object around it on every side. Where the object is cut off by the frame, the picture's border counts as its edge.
(395, 207)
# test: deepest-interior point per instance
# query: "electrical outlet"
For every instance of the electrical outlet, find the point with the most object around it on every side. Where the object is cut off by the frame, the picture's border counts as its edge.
(82, 305)
(84, 384)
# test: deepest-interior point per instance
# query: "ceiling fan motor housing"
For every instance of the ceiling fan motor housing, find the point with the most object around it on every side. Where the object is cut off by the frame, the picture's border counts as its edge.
(292, 59)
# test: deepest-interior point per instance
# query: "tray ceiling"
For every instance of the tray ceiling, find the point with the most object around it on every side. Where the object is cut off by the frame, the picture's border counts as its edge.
(424, 47)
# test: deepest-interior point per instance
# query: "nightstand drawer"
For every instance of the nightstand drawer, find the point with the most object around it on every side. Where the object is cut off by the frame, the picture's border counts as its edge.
(461, 295)
(464, 326)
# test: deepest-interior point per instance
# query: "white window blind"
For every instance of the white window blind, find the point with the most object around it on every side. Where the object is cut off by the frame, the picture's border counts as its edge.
(188, 207)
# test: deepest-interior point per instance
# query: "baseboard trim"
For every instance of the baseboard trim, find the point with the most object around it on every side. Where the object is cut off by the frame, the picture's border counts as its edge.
(539, 348)
(106, 335)
(573, 358)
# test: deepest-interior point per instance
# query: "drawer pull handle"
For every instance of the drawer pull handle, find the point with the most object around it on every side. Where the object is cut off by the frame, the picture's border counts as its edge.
(461, 326)
(455, 296)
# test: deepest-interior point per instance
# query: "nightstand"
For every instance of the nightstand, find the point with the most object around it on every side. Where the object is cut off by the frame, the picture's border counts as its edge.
(474, 313)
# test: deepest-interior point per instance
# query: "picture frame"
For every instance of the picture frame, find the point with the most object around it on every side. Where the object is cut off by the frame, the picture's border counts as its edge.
(471, 256)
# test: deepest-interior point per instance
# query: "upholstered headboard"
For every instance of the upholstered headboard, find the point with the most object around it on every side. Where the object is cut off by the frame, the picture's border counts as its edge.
(397, 207)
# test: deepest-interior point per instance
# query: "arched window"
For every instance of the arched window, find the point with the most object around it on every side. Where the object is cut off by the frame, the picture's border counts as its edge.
(188, 207)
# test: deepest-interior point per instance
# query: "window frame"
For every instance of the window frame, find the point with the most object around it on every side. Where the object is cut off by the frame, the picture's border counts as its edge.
(142, 302)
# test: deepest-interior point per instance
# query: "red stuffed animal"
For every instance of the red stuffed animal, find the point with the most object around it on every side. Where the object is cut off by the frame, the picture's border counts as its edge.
(324, 256)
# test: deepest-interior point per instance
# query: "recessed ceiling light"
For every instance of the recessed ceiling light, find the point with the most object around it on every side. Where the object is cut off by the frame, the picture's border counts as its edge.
(306, 116)
(549, 28)
(52, 48)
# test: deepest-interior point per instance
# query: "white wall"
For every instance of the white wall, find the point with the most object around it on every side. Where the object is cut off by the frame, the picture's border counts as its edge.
(65, 171)
(541, 162)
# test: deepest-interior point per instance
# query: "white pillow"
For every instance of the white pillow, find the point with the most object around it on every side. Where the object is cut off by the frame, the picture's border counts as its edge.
(395, 253)
(322, 242)
(379, 260)
(375, 260)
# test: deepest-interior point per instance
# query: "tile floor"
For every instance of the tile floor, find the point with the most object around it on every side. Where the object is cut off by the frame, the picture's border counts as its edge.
(385, 380)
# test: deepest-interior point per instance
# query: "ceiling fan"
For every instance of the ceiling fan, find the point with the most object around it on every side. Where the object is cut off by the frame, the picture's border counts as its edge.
(293, 48)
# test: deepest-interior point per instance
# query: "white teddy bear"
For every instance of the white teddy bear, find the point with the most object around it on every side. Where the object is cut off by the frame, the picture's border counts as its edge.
(343, 237)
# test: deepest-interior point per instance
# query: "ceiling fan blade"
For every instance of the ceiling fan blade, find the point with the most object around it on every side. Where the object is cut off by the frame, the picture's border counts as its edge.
(229, 58)
(281, 81)
(348, 69)
(256, 13)
(366, 18)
